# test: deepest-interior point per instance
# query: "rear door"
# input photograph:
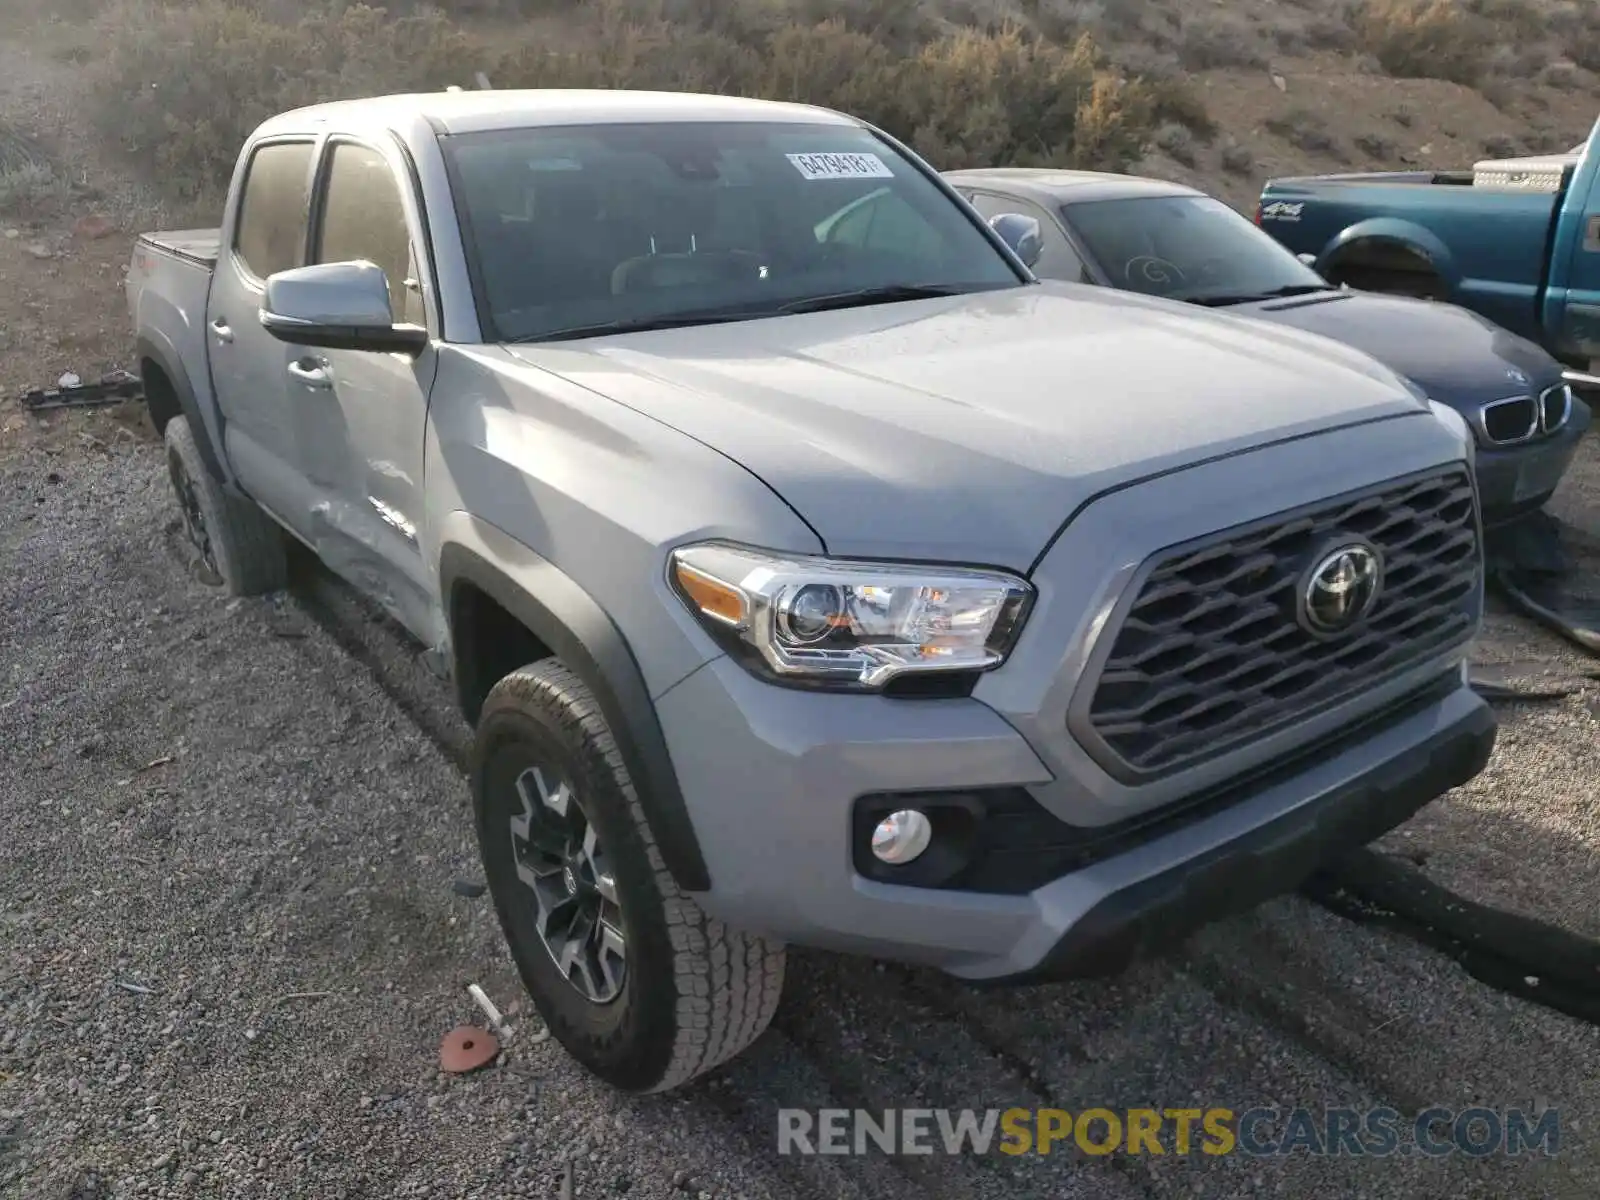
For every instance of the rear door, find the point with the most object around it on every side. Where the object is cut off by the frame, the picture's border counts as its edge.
(362, 416)
(267, 234)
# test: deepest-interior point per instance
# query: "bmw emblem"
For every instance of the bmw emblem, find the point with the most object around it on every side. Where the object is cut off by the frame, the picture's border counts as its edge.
(1340, 588)
(1516, 376)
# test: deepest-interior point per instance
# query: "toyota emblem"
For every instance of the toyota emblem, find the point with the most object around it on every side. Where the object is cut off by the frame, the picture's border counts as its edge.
(1340, 588)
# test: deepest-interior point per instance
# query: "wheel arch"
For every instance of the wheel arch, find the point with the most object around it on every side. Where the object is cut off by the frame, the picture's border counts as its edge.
(169, 393)
(563, 620)
(1393, 234)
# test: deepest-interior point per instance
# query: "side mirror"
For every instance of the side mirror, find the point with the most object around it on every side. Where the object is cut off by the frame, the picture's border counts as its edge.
(1307, 260)
(337, 306)
(1022, 234)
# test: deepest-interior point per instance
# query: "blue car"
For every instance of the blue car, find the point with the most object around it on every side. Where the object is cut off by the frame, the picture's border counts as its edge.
(1167, 240)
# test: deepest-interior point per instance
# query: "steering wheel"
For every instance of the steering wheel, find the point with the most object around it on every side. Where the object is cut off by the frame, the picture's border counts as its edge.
(1147, 268)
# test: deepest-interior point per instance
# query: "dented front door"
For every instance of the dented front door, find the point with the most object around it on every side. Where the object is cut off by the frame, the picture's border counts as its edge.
(363, 415)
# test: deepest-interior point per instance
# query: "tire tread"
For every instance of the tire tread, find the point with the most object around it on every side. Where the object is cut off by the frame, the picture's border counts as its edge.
(247, 543)
(728, 982)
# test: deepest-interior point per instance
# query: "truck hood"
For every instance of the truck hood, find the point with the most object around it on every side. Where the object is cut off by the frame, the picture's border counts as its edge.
(971, 427)
(1459, 358)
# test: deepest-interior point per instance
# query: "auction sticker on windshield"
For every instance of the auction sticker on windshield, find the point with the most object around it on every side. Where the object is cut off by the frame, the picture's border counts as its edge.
(840, 166)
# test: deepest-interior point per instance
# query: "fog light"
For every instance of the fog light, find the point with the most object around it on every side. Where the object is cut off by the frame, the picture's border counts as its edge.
(901, 836)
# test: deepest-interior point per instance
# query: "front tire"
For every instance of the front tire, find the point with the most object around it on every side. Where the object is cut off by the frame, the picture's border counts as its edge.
(632, 979)
(237, 542)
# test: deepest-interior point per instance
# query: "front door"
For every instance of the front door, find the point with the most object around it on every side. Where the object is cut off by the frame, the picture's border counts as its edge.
(362, 416)
(1572, 302)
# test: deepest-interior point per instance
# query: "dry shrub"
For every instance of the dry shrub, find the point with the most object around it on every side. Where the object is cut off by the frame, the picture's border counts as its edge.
(974, 99)
(180, 88)
(1377, 145)
(965, 98)
(33, 191)
(836, 67)
(1305, 130)
(1177, 143)
(1427, 39)
(1219, 39)
(1175, 101)
(1583, 47)
(1237, 158)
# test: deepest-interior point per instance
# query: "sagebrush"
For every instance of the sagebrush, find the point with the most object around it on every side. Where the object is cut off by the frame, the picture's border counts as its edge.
(179, 87)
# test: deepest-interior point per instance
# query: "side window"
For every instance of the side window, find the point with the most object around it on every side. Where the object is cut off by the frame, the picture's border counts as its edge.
(363, 217)
(270, 234)
(1059, 260)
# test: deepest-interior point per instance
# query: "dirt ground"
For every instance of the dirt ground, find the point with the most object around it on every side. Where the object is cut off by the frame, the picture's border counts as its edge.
(229, 832)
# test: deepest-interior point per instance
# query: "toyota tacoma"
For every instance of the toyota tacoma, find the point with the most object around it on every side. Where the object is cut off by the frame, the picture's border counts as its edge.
(810, 571)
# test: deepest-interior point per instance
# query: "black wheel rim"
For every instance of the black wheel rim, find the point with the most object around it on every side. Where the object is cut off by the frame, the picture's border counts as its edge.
(194, 518)
(561, 863)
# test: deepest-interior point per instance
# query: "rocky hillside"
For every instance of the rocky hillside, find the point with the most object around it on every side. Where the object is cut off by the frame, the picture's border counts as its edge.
(131, 110)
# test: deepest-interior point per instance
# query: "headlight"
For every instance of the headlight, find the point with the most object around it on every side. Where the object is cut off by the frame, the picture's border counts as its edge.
(851, 625)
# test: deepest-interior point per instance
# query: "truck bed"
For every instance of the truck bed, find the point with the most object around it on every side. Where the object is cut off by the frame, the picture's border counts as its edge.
(196, 245)
(1363, 178)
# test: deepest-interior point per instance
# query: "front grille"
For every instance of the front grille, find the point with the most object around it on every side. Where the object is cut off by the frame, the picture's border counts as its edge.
(1211, 653)
(1512, 420)
(1555, 405)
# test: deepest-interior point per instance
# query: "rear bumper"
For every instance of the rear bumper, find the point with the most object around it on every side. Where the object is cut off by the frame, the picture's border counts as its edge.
(1274, 858)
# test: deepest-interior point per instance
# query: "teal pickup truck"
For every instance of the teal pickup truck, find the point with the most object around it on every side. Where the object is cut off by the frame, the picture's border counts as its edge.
(1516, 240)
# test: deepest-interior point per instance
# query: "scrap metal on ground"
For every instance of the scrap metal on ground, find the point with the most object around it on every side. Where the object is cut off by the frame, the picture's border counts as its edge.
(114, 388)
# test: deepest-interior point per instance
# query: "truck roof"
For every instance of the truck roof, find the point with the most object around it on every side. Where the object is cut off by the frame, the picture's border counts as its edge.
(1048, 186)
(485, 110)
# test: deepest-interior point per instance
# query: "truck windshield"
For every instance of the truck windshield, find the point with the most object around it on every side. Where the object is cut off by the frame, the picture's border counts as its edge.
(1187, 248)
(585, 229)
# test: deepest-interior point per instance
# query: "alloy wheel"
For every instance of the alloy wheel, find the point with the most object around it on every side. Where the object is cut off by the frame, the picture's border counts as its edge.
(561, 862)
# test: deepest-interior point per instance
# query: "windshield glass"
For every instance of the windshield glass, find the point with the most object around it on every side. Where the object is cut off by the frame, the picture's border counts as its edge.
(1185, 248)
(574, 227)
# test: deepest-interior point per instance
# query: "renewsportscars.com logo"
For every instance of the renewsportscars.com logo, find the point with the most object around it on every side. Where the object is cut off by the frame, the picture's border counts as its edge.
(1377, 1132)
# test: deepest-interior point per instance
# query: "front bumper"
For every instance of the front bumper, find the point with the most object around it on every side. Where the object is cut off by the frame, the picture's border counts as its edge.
(1517, 480)
(1273, 858)
(771, 777)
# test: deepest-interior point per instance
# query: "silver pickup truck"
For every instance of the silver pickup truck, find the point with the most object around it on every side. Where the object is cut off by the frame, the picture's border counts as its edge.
(810, 571)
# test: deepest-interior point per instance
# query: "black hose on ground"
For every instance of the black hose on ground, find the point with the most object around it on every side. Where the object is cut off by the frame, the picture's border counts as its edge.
(1530, 959)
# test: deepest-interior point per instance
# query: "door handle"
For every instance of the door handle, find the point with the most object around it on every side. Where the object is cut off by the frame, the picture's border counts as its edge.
(222, 330)
(311, 372)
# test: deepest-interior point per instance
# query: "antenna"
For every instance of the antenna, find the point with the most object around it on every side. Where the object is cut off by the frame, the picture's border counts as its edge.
(483, 83)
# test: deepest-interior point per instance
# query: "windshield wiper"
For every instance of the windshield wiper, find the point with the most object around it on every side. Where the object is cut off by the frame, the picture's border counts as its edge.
(1281, 293)
(718, 316)
(858, 297)
(636, 325)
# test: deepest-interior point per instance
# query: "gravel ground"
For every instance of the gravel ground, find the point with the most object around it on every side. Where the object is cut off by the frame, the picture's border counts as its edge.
(229, 946)
(1525, 835)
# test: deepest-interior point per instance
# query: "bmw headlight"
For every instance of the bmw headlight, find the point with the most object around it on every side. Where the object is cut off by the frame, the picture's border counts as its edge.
(850, 625)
